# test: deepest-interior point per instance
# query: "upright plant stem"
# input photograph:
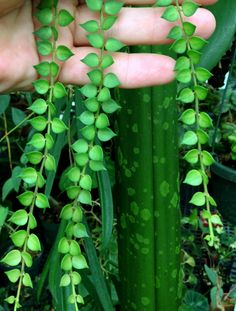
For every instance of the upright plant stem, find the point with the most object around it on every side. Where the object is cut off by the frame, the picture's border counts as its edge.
(135, 201)
(147, 199)
(166, 195)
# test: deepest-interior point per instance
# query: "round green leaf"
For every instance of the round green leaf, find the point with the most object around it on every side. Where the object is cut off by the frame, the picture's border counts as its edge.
(44, 47)
(89, 90)
(63, 53)
(43, 69)
(104, 94)
(108, 22)
(19, 217)
(18, 238)
(79, 262)
(107, 61)
(29, 175)
(39, 106)
(38, 123)
(193, 178)
(85, 197)
(13, 275)
(113, 45)
(80, 146)
(179, 46)
(94, 5)
(192, 156)
(171, 14)
(102, 121)
(110, 106)
(74, 174)
(26, 198)
(86, 182)
(50, 163)
(92, 104)
(90, 26)
(105, 134)
(37, 141)
(175, 33)
(79, 231)
(13, 258)
(81, 159)
(63, 246)
(41, 86)
(197, 43)
(189, 8)
(111, 80)
(59, 91)
(96, 153)
(76, 278)
(41, 201)
(67, 212)
(198, 199)
(65, 280)
(58, 126)
(45, 16)
(205, 120)
(186, 95)
(64, 18)
(190, 138)
(88, 132)
(188, 117)
(27, 280)
(91, 60)
(66, 263)
(95, 76)
(113, 7)
(33, 243)
(96, 40)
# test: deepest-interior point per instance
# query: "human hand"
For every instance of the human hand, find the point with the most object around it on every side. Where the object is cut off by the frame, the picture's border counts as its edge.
(134, 26)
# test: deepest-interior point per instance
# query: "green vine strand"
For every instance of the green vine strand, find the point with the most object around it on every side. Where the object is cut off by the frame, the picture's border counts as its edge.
(87, 151)
(191, 78)
(37, 158)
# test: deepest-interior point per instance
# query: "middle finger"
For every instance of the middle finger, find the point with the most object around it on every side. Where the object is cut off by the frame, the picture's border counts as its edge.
(142, 25)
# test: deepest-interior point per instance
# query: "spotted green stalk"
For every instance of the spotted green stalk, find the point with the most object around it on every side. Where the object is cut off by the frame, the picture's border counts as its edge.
(166, 195)
(148, 199)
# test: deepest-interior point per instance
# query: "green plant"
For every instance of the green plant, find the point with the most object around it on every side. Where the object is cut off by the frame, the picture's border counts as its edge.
(73, 124)
(224, 133)
(86, 155)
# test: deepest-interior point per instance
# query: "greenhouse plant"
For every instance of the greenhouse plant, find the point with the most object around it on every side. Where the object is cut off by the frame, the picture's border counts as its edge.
(113, 115)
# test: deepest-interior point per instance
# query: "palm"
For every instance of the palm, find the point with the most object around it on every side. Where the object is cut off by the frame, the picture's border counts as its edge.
(18, 53)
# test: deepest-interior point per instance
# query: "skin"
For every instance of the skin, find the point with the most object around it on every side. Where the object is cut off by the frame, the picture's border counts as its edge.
(134, 26)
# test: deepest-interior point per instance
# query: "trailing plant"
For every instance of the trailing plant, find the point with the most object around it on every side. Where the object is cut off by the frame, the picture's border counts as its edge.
(38, 160)
(86, 155)
(196, 123)
(76, 121)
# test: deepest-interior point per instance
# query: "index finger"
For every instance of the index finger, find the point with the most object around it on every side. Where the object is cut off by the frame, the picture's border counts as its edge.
(144, 2)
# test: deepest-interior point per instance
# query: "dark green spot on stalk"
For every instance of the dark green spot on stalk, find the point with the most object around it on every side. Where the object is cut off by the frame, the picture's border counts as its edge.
(145, 250)
(145, 301)
(131, 191)
(145, 214)
(164, 188)
(135, 128)
(136, 150)
(123, 221)
(128, 172)
(134, 208)
(165, 126)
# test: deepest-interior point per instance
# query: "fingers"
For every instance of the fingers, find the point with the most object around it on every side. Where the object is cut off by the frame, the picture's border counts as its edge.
(145, 2)
(142, 25)
(133, 70)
